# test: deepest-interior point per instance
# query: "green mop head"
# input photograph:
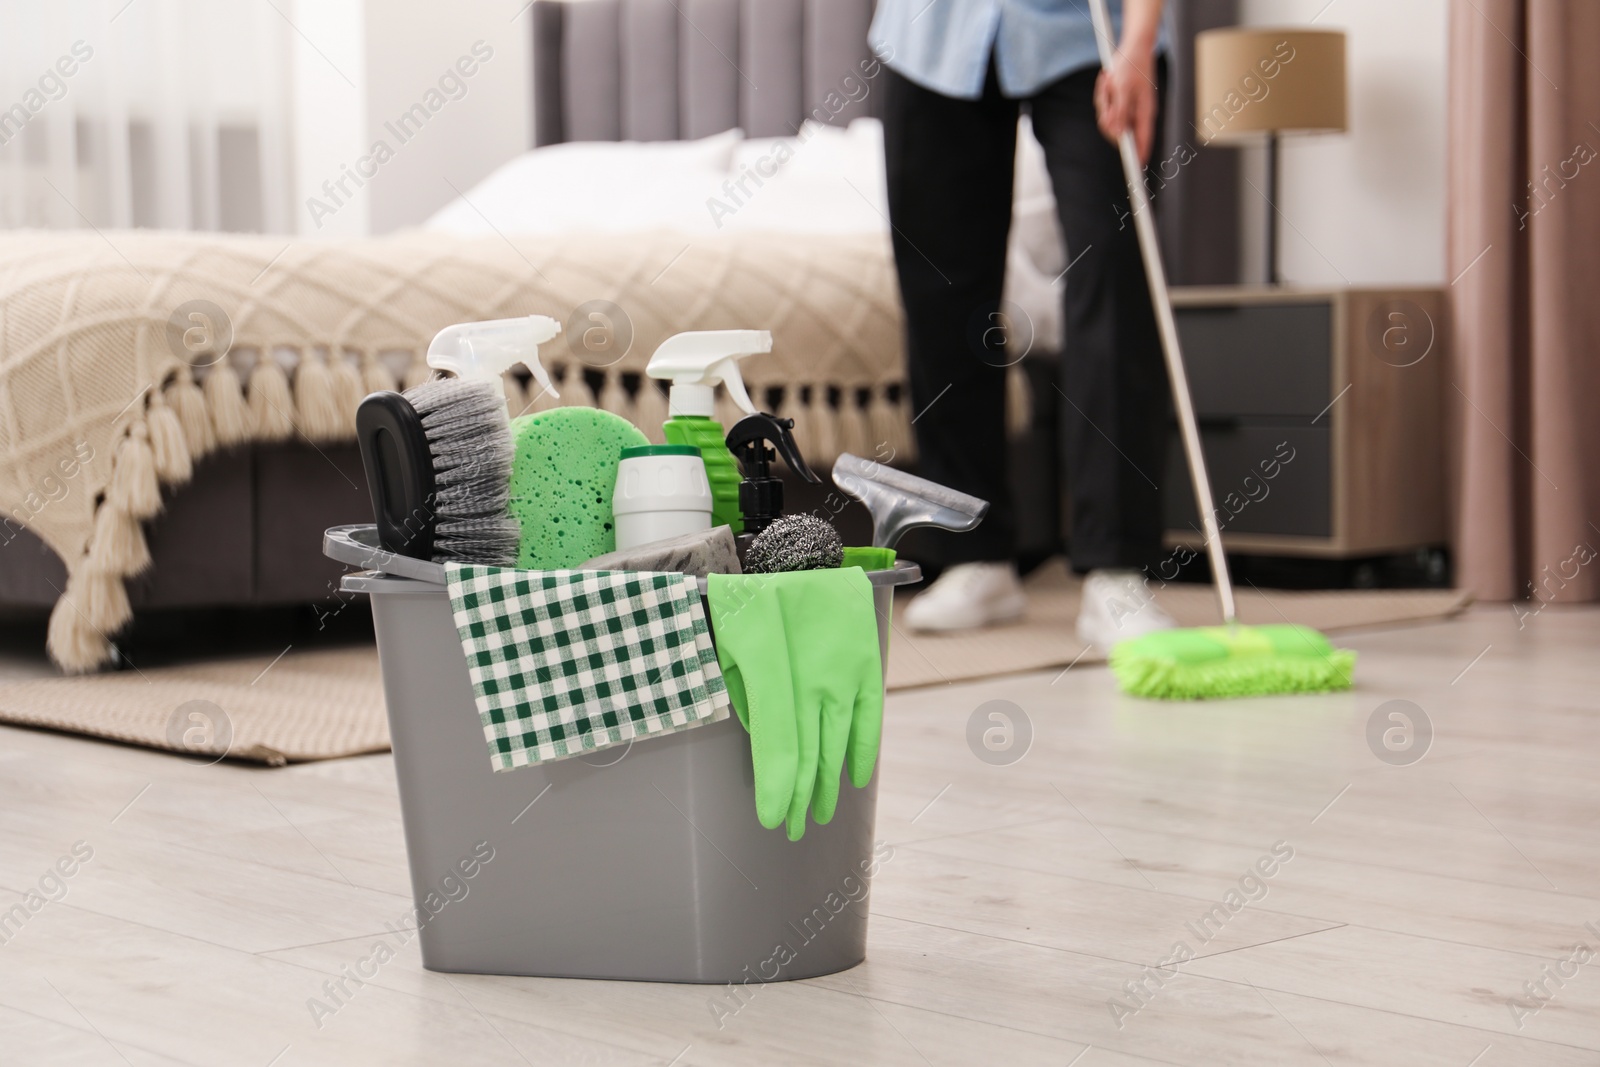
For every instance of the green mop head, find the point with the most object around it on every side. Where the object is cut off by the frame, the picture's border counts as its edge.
(1230, 661)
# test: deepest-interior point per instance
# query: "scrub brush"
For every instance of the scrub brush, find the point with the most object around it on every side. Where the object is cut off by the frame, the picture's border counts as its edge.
(438, 457)
(1229, 660)
(469, 437)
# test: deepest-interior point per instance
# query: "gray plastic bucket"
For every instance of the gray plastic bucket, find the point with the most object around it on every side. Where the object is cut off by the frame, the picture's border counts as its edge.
(636, 862)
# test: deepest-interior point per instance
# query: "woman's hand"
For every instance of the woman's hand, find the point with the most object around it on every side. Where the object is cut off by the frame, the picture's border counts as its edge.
(1125, 95)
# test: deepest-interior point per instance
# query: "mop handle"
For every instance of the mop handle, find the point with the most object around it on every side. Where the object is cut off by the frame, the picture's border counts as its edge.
(1144, 226)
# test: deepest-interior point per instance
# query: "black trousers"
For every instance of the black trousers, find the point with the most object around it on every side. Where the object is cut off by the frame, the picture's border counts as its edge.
(949, 169)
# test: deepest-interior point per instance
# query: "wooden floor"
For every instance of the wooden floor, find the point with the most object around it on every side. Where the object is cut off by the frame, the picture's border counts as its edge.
(1022, 902)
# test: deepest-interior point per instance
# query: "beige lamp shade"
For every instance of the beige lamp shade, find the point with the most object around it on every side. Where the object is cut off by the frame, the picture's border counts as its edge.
(1254, 80)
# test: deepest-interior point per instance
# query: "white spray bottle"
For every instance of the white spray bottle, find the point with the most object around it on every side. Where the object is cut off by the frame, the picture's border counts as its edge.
(483, 351)
(695, 363)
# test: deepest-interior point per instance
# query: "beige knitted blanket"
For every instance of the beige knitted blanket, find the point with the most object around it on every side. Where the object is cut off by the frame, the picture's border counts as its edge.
(126, 356)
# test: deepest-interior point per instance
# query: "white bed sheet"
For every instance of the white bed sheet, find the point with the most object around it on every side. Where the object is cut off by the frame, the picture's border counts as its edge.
(828, 180)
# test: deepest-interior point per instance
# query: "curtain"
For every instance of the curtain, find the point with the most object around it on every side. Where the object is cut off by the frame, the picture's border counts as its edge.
(152, 113)
(1523, 254)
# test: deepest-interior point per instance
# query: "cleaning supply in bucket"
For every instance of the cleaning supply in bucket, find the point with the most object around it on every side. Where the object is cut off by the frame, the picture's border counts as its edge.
(437, 458)
(563, 474)
(794, 543)
(1231, 660)
(760, 493)
(661, 492)
(799, 655)
(867, 557)
(469, 440)
(706, 552)
(899, 501)
(485, 351)
(695, 363)
(568, 662)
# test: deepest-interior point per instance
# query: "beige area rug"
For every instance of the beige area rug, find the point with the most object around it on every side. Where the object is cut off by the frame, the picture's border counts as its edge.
(325, 703)
(1046, 637)
(309, 705)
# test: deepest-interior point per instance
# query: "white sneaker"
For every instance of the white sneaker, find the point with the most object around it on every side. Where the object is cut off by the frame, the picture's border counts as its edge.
(969, 595)
(1117, 605)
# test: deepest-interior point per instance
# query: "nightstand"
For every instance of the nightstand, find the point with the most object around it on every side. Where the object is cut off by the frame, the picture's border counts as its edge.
(1320, 413)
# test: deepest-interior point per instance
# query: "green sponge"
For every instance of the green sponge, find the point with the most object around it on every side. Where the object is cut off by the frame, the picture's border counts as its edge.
(563, 470)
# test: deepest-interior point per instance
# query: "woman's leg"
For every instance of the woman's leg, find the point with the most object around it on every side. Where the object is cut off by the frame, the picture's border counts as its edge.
(949, 169)
(1113, 378)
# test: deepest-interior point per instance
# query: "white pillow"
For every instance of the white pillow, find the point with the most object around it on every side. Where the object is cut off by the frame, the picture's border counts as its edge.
(827, 180)
(596, 185)
(819, 151)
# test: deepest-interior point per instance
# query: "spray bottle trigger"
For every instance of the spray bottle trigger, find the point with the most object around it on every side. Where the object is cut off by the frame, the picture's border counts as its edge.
(751, 433)
(541, 328)
(784, 440)
(536, 368)
(483, 351)
(727, 371)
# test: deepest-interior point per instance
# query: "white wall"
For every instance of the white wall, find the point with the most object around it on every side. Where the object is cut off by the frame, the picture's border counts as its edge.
(395, 52)
(408, 48)
(1367, 206)
(327, 70)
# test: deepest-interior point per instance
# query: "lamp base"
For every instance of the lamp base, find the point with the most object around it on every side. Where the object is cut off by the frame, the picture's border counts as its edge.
(1271, 228)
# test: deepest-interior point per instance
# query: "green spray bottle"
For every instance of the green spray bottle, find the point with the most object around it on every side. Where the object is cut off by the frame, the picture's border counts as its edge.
(695, 363)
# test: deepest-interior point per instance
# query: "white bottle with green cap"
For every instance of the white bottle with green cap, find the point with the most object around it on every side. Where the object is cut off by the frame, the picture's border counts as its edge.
(696, 363)
(661, 492)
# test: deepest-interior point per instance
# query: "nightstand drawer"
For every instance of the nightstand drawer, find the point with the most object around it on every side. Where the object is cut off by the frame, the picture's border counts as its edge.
(1258, 359)
(1267, 479)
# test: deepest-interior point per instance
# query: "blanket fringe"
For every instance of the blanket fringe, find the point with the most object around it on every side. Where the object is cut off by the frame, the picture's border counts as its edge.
(889, 427)
(271, 402)
(854, 434)
(119, 547)
(416, 373)
(193, 413)
(230, 415)
(375, 377)
(315, 399)
(650, 408)
(576, 392)
(73, 640)
(134, 488)
(168, 447)
(348, 388)
(614, 398)
(183, 421)
(823, 423)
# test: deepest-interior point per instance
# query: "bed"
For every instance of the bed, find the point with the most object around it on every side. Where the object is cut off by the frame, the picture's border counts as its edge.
(177, 409)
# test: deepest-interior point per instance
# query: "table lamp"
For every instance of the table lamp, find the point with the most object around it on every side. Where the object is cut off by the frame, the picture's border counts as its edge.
(1251, 81)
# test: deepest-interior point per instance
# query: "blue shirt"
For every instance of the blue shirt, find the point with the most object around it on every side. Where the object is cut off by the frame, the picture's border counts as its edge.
(945, 45)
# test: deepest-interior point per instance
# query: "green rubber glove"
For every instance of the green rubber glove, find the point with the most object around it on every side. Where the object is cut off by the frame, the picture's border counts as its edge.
(799, 652)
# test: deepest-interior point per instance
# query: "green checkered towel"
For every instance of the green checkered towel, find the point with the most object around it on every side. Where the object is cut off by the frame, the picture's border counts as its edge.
(567, 662)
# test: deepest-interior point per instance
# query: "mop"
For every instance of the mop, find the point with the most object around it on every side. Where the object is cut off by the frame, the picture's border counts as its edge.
(1213, 661)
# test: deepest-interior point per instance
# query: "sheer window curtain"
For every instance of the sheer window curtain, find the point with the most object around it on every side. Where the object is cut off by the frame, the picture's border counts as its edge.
(168, 114)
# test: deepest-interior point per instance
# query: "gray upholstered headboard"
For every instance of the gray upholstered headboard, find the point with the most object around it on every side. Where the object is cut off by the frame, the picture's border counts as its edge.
(665, 70)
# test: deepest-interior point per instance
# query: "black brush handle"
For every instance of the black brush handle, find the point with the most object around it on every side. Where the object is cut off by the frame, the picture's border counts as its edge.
(399, 466)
